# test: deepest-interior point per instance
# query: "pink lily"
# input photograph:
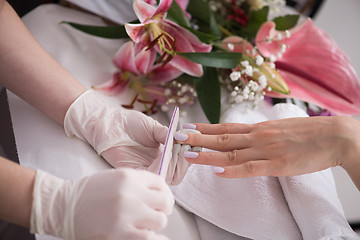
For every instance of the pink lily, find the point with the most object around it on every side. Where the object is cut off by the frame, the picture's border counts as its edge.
(166, 36)
(314, 67)
(136, 66)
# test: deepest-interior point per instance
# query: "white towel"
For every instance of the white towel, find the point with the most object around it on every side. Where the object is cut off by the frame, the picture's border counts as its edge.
(301, 207)
(119, 11)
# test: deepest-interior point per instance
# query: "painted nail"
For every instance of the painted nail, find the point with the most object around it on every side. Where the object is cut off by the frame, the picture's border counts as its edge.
(218, 169)
(188, 126)
(188, 154)
(180, 136)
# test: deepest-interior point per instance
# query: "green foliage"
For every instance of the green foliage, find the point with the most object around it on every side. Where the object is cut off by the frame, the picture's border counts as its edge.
(214, 59)
(112, 32)
(200, 10)
(286, 22)
(256, 19)
(176, 14)
(208, 91)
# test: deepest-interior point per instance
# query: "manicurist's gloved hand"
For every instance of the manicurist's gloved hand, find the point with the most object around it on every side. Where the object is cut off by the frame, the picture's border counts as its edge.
(113, 204)
(125, 138)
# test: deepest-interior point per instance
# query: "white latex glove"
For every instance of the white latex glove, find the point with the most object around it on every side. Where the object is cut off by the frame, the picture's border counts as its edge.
(113, 204)
(125, 138)
(178, 166)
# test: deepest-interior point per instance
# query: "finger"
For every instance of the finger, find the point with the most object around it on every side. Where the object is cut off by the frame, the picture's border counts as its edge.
(222, 128)
(249, 169)
(160, 132)
(159, 201)
(224, 159)
(152, 219)
(224, 142)
(145, 234)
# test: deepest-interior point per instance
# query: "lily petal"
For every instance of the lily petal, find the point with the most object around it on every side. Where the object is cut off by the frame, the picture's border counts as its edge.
(116, 85)
(187, 66)
(125, 58)
(143, 10)
(161, 74)
(185, 42)
(315, 68)
(163, 7)
(135, 31)
(183, 4)
(144, 59)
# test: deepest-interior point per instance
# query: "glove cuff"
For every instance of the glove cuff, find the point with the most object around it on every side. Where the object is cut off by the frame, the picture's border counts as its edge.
(81, 118)
(45, 203)
(53, 206)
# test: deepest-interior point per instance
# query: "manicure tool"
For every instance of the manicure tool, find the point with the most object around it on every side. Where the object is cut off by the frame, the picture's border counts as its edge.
(167, 154)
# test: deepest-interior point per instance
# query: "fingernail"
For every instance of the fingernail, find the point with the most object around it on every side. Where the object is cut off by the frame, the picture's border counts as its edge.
(218, 169)
(188, 154)
(180, 136)
(188, 126)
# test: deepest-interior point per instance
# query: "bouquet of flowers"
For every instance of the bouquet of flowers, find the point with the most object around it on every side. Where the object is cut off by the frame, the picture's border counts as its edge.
(183, 50)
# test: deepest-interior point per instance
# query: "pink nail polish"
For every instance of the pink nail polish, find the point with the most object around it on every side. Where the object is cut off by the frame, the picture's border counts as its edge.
(181, 136)
(218, 169)
(188, 126)
(188, 154)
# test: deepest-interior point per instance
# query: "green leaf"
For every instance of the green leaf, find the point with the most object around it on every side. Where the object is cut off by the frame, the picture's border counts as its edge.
(112, 32)
(256, 19)
(214, 59)
(176, 14)
(204, 37)
(200, 10)
(208, 91)
(184, 78)
(286, 22)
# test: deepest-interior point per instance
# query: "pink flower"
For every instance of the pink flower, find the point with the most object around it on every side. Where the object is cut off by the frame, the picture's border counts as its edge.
(166, 36)
(137, 66)
(314, 67)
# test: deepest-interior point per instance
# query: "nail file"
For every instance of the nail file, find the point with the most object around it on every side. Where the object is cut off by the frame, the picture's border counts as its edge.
(169, 143)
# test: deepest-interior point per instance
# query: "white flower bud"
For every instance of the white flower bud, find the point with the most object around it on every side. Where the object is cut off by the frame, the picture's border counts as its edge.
(234, 76)
(259, 60)
(249, 70)
(273, 58)
(287, 33)
(244, 63)
(231, 46)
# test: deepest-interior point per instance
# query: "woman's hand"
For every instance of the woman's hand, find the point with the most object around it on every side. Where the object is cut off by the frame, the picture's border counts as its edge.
(277, 148)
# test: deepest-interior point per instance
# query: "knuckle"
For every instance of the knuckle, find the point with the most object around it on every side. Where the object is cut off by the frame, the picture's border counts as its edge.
(232, 156)
(250, 168)
(223, 140)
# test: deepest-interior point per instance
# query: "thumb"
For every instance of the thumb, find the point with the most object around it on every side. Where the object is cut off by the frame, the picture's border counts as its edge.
(160, 132)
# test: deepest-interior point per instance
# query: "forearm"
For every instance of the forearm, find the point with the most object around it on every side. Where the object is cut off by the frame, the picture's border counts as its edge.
(30, 72)
(16, 187)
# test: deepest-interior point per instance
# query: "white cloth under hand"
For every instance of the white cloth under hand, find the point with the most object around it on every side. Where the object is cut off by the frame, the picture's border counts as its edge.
(301, 207)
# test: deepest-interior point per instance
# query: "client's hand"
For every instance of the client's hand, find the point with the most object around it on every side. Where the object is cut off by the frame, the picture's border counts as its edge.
(277, 148)
(113, 204)
(125, 138)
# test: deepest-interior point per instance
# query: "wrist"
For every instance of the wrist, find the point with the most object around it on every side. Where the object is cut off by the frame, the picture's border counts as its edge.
(349, 157)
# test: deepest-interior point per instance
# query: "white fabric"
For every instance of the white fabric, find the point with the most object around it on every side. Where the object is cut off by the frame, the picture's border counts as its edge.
(133, 204)
(266, 207)
(119, 11)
